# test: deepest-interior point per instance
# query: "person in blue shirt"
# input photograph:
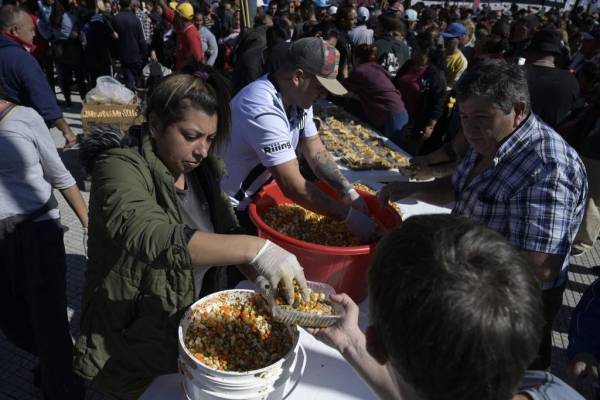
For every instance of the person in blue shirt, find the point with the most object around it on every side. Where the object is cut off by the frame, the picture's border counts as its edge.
(21, 76)
(208, 39)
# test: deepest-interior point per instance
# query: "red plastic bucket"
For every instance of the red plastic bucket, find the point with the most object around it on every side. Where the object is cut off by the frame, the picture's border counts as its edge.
(344, 268)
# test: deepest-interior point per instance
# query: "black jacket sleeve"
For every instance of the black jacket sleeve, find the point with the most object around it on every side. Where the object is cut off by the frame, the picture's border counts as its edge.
(435, 96)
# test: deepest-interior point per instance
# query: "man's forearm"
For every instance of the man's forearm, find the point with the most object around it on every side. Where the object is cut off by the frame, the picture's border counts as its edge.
(439, 192)
(326, 169)
(211, 249)
(62, 125)
(306, 193)
(377, 376)
(68, 134)
(547, 267)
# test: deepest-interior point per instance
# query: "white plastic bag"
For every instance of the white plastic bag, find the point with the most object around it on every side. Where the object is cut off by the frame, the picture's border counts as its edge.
(108, 90)
(165, 71)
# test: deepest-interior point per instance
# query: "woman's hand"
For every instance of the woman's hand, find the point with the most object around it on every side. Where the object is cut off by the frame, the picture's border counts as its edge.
(275, 265)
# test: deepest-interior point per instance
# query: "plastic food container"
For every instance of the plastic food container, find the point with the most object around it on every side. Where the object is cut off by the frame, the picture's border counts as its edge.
(202, 382)
(306, 319)
(343, 268)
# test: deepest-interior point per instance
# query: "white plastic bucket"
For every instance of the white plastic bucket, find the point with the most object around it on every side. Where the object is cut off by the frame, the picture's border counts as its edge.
(202, 382)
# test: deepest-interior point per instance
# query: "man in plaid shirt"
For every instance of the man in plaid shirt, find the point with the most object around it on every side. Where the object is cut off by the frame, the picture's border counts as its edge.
(518, 177)
(145, 20)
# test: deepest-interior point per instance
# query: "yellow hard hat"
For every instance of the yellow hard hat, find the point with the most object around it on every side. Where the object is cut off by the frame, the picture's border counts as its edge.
(185, 10)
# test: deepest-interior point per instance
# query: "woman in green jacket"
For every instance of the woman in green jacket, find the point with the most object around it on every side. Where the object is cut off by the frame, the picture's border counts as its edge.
(158, 223)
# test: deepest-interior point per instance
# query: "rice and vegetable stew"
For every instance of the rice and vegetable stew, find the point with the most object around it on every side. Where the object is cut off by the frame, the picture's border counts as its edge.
(302, 224)
(238, 336)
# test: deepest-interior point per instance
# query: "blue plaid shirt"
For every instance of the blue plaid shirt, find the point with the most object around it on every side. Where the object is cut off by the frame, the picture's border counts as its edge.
(534, 193)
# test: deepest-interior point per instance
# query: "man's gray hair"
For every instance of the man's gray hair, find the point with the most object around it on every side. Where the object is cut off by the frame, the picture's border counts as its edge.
(501, 83)
(9, 16)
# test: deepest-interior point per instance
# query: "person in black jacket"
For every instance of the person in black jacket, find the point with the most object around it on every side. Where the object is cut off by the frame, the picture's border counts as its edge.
(422, 83)
(554, 91)
(99, 36)
(254, 57)
(163, 44)
(131, 48)
(345, 20)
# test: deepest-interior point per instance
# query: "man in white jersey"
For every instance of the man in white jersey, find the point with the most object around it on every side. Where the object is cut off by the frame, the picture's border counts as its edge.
(271, 118)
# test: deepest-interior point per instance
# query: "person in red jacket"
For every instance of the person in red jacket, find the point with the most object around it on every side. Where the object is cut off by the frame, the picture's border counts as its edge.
(188, 39)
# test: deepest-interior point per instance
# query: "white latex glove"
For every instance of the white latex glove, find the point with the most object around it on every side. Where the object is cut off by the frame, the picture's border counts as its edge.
(360, 225)
(353, 199)
(274, 265)
(85, 240)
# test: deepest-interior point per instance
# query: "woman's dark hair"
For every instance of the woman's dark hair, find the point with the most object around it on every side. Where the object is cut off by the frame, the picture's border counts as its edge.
(390, 23)
(365, 53)
(204, 8)
(56, 15)
(427, 43)
(277, 33)
(330, 34)
(307, 10)
(449, 295)
(342, 16)
(198, 88)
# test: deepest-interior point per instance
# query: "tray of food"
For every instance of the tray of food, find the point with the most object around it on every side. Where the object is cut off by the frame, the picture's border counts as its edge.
(317, 312)
(357, 146)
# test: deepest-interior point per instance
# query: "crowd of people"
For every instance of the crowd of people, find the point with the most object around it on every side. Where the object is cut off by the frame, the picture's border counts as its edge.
(501, 106)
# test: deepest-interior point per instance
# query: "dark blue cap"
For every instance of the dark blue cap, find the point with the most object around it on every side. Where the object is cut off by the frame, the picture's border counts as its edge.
(455, 30)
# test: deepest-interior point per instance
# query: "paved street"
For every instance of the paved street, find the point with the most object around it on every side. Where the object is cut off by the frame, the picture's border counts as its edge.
(16, 380)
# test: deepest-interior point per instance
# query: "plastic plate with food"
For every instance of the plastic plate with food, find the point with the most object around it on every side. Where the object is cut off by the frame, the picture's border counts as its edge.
(318, 312)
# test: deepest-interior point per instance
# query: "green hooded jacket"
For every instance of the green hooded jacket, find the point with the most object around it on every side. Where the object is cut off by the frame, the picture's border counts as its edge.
(139, 278)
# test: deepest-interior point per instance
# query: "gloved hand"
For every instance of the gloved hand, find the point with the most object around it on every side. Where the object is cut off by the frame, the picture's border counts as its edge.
(353, 199)
(360, 225)
(274, 265)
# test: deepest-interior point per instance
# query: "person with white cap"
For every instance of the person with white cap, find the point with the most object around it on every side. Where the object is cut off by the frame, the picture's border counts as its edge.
(332, 10)
(272, 118)
(411, 17)
(360, 34)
